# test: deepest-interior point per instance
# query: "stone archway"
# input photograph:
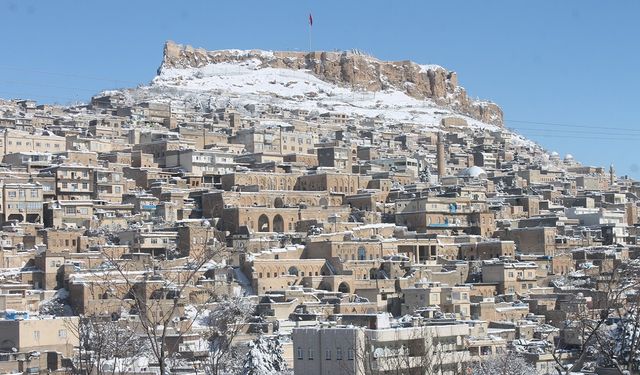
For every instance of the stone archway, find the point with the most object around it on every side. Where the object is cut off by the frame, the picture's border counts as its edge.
(325, 286)
(373, 273)
(17, 217)
(278, 203)
(263, 223)
(293, 271)
(278, 224)
(344, 288)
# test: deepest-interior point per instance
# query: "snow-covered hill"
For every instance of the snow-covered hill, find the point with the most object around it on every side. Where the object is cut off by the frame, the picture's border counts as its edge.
(347, 83)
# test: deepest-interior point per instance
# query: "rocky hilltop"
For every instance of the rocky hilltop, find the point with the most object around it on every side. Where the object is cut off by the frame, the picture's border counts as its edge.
(353, 70)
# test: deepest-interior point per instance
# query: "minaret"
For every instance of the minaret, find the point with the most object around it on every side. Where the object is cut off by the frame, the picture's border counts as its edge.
(441, 156)
(612, 175)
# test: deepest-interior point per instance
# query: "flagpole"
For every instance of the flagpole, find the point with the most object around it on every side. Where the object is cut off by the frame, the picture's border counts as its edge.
(310, 29)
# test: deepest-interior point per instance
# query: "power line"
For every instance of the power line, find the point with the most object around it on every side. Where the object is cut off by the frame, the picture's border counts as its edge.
(571, 125)
(25, 83)
(547, 135)
(574, 132)
(24, 95)
(72, 75)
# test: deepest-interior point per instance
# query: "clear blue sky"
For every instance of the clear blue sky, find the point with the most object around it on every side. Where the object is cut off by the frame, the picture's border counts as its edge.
(574, 63)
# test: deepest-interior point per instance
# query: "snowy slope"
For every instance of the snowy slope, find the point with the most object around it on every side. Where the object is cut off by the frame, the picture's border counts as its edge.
(246, 82)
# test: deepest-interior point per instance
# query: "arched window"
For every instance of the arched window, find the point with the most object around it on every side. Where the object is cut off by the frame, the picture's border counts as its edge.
(362, 253)
(293, 271)
(263, 223)
(278, 224)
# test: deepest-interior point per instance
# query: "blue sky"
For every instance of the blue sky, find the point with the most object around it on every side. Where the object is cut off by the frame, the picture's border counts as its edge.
(566, 73)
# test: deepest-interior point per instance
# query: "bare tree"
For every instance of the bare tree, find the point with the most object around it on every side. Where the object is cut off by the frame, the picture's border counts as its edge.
(158, 294)
(506, 363)
(609, 332)
(223, 324)
(107, 347)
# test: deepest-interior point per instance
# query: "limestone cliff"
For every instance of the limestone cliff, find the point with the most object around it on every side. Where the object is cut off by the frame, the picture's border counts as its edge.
(351, 69)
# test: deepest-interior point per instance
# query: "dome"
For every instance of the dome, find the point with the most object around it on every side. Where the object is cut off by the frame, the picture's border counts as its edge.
(472, 172)
(569, 157)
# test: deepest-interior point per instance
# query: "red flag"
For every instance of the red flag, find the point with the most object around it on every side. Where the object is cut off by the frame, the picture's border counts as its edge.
(310, 20)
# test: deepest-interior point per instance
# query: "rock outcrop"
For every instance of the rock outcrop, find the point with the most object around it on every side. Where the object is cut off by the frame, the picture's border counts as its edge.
(354, 70)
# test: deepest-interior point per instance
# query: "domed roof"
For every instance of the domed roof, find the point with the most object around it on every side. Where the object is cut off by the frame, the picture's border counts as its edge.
(568, 157)
(473, 172)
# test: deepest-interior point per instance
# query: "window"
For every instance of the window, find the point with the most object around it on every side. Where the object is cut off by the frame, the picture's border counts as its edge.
(350, 354)
(70, 210)
(12, 194)
(310, 354)
(300, 353)
(327, 354)
(34, 193)
(62, 333)
(85, 185)
(339, 354)
(21, 193)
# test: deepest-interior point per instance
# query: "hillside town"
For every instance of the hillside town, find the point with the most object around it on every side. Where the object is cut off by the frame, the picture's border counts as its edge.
(142, 234)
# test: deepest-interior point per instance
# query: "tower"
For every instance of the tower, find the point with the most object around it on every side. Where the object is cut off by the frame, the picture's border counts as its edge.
(441, 156)
(612, 175)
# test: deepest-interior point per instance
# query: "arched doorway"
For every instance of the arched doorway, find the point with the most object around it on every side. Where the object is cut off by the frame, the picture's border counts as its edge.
(263, 223)
(344, 288)
(278, 224)
(17, 217)
(373, 273)
(362, 253)
(278, 203)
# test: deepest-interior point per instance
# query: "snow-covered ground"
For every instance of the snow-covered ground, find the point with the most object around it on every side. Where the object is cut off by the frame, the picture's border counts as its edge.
(243, 83)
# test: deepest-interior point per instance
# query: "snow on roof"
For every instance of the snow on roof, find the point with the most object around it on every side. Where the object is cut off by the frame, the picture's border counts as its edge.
(473, 172)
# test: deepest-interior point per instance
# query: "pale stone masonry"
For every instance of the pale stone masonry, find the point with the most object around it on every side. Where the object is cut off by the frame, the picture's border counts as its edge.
(363, 240)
